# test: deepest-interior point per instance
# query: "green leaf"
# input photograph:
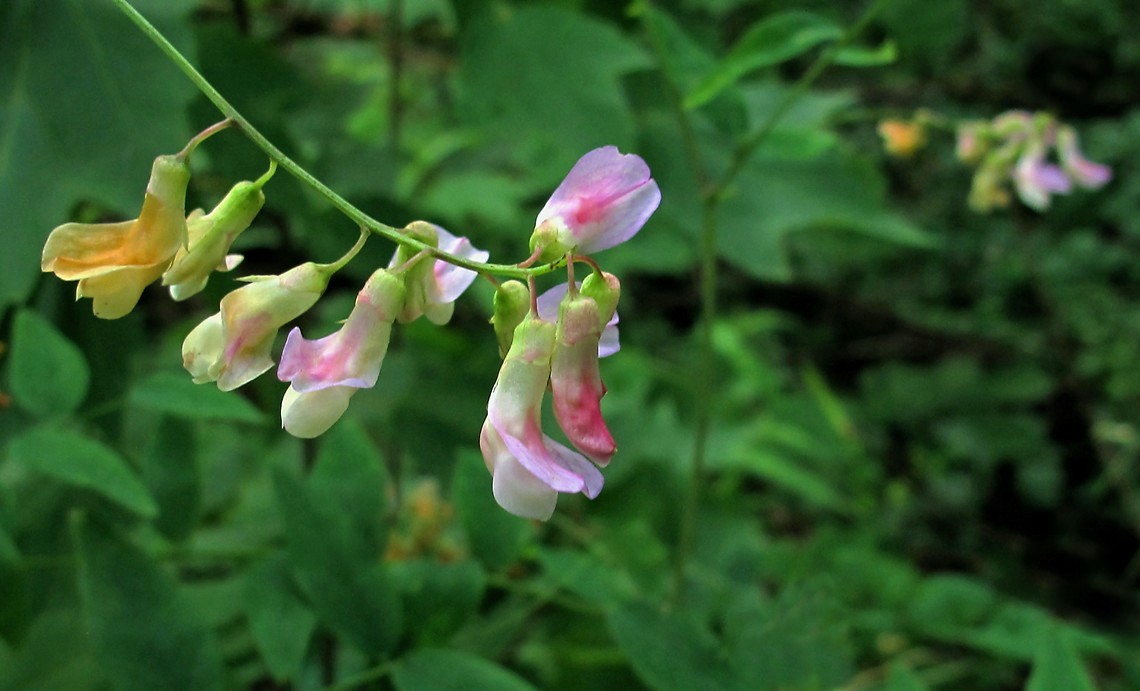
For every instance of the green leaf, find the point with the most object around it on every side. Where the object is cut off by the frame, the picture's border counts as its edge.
(565, 93)
(170, 472)
(902, 679)
(349, 589)
(38, 665)
(86, 103)
(669, 651)
(279, 619)
(144, 633)
(175, 394)
(496, 537)
(769, 42)
(350, 474)
(15, 598)
(429, 669)
(438, 598)
(78, 460)
(48, 373)
(1057, 666)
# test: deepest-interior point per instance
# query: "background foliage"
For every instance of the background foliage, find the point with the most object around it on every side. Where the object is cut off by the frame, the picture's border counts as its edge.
(922, 460)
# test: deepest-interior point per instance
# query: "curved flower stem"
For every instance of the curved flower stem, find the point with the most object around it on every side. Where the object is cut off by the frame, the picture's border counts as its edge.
(203, 136)
(348, 256)
(362, 219)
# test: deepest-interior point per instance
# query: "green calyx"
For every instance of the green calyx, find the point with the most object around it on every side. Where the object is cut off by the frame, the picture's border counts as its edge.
(511, 305)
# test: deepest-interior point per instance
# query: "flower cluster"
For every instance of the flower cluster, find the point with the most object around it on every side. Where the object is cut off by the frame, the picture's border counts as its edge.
(1016, 147)
(553, 340)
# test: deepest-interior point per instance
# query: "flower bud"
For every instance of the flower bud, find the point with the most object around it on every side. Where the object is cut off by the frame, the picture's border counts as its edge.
(250, 317)
(1082, 171)
(511, 304)
(434, 285)
(210, 237)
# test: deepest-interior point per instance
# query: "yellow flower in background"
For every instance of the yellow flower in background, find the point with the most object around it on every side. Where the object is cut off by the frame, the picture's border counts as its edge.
(902, 138)
(114, 262)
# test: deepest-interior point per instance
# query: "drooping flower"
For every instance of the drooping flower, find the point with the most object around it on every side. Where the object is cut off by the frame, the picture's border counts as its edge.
(575, 380)
(528, 467)
(1082, 171)
(210, 237)
(114, 262)
(1037, 180)
(232, 347)
(548, 304)
(434, 285)
(603, 201)
(325, 373)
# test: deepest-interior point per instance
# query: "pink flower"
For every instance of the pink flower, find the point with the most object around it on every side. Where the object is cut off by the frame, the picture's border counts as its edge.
(1037, 180)
(528, 467)
(324, 373)
(575, 381)
(434, 285)
(605, 199)
(548, 304)
(232, 347)
(1084, 172)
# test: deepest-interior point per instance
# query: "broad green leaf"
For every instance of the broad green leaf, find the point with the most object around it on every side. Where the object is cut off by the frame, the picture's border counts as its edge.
(496, 537)
(279, 619)
(78, 460)
(350, 475)
(429, 669)
(769, 42)
(144, 633)
(438, 598)
(175, 394)
(48, 373)
(1056, 665)
(170, 471)
(350, 591)
(38, 663)
(557, 94)
(669, 651)
(86, 103)
(837, 191)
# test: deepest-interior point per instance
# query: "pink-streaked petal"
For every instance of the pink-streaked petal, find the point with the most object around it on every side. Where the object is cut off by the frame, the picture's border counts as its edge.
(605, 199)
(515, 488)
(451, 280)
(609, 343)
(532, 453)
(577, 464)
(323, 363)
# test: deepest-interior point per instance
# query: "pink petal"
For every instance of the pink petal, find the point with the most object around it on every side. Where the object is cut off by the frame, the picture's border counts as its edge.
(451, 280)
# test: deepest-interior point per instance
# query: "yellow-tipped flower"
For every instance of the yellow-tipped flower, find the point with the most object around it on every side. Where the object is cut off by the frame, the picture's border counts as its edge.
(902, 138)
(114, 262)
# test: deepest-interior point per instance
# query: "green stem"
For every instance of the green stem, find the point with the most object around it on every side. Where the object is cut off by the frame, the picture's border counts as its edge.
(712, 194)
(362, 219)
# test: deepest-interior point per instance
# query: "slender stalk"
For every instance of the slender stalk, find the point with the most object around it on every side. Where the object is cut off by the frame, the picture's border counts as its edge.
(362, 219)
(712, 194)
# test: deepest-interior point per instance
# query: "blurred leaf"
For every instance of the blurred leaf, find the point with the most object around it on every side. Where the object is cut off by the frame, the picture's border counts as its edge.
(48, 373)
(55, 54)
(170, 472)
(946, 605)
(429, 669)
(861, 56)
(77, 460)
(438, 597)
(771, 41)
(349, 474)
(838, 191)
(175, 394)
(144, 633)
(586, 575)
(38, 664)
(669, 651)
(350, 591)
(562, 93)
(496, 537)
(279, 619)
(15, 600)
(787, 473)
(1056, 665)
(902, 679)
